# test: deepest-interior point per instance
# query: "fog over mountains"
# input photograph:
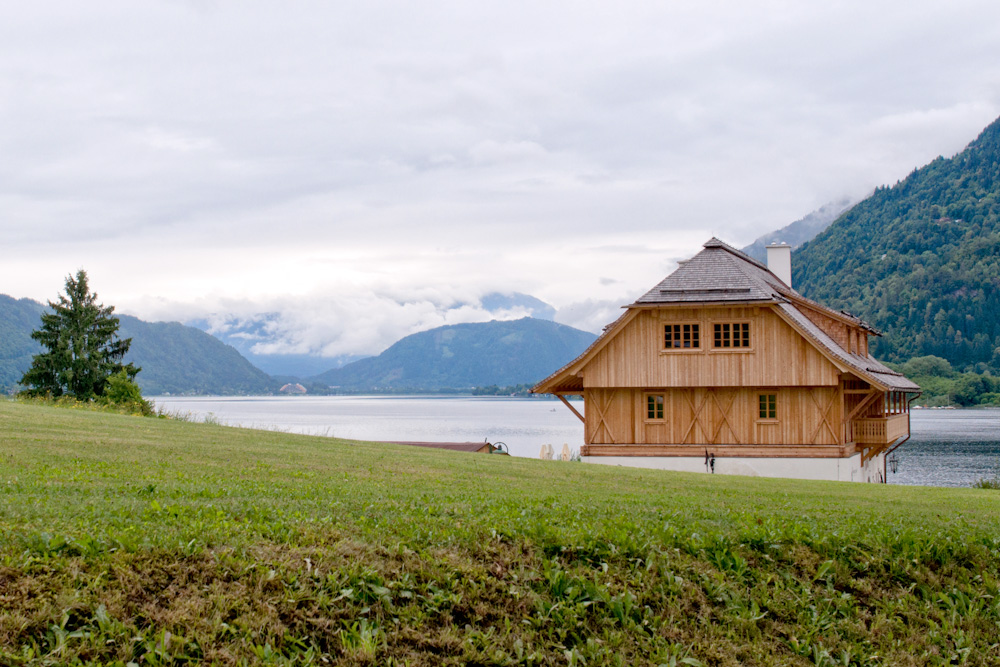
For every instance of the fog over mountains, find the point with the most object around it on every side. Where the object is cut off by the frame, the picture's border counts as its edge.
(918, 259)
(282, 345)
(800, 231)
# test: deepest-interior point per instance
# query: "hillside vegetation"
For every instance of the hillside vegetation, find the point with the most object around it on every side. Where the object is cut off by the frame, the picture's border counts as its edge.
(18, 318)
(920, 260)
(943, 385)
(463, 356)
(156, 542)
(175, 359)
(179, 359)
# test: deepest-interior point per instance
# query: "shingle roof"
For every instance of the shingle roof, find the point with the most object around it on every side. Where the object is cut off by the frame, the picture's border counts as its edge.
(863, 366)
(717, 273)
(721, 273)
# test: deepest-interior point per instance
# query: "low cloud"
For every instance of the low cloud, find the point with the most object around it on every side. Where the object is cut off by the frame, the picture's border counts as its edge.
(591, 315)
(378, 168)
(362, 323)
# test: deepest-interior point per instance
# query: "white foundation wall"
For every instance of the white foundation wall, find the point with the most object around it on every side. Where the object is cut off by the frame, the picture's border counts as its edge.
(836, 470)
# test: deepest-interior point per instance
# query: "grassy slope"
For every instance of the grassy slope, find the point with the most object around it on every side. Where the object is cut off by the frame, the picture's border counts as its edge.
(158, 541)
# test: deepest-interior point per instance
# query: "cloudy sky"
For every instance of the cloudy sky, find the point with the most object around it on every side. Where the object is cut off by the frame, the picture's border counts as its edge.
(366, 170)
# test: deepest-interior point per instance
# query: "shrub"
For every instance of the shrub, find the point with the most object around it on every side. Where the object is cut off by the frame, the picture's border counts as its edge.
(123, 393)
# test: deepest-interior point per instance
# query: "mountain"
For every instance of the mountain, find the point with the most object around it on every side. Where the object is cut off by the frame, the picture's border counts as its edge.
(466, 355)
(247, 334)
(920, 260)
(263, 337)
(18, 318)
(178, 359)
(799, 231)
(174, 358)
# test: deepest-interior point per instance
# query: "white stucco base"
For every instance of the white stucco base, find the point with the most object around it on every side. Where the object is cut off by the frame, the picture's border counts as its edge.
(837, 470)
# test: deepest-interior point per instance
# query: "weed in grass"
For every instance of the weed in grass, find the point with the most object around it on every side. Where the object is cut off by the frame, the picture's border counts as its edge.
(987, 483)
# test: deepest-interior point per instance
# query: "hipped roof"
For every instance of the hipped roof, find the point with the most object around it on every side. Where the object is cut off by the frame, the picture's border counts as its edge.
(721, 274)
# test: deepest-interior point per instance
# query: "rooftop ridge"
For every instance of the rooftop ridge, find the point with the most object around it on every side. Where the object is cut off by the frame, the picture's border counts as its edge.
(715, 242)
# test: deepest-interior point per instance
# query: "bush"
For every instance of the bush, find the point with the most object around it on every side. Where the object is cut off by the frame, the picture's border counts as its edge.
(123, 393)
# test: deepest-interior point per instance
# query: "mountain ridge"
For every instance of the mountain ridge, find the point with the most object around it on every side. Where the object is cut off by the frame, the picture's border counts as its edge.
(175, 358)
(461, 356)
(802, 230)
(920, 260)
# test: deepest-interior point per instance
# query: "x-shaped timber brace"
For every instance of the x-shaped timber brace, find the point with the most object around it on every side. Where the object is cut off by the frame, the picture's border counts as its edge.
(601, 420)
(824, 415)
(725, 416)
(696, 418)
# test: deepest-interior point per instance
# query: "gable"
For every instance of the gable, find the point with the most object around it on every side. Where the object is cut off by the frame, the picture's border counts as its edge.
(778, 354)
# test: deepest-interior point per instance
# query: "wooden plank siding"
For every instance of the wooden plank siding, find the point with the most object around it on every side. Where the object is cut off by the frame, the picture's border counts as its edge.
(705, 415)
(778, 356)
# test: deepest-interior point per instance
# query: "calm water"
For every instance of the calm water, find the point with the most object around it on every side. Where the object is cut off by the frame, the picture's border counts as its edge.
(948, 447)
(523, 424)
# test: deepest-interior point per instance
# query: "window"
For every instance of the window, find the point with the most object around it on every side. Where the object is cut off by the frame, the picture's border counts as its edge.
(654, 406)
(735, 334)
(768, 406)
(681, 336)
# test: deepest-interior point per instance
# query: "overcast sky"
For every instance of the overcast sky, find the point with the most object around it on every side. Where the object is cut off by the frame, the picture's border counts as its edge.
(364, 169)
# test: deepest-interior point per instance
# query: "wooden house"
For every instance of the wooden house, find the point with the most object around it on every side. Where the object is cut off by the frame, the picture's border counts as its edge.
(723, 367)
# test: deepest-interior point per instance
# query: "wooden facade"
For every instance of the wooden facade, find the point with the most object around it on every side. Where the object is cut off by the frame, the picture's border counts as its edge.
(744, 371)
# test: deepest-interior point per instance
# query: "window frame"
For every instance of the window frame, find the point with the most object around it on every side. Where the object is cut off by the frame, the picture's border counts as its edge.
(647, 397)
(767, 407)
(696, 331)
(733, 348)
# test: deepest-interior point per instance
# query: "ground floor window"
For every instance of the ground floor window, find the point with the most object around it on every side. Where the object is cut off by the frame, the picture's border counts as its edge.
(768, 406)
(654, 406)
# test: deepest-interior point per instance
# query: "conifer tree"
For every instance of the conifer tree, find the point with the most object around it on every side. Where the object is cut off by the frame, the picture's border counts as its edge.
(82, 349)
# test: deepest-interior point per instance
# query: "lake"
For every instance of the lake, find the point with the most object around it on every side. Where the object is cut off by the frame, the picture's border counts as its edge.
(947, 447)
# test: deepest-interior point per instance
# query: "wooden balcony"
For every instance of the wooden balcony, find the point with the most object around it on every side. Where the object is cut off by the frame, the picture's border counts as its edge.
(880, 431)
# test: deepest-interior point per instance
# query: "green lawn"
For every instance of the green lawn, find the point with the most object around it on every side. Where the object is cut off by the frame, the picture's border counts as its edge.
(158, 541)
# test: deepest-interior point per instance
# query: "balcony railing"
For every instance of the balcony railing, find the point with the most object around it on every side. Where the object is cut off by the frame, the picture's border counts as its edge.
(880, 431)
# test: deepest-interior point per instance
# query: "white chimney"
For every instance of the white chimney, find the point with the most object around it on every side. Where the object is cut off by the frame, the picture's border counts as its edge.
(779, 261)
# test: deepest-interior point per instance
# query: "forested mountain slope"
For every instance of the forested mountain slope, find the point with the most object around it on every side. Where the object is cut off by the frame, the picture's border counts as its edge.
(466, 355)
(179, 359)
(18, 318)
(920, 260)
(174, 358)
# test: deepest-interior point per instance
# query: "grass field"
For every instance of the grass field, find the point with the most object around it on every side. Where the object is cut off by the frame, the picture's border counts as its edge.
(156, 541)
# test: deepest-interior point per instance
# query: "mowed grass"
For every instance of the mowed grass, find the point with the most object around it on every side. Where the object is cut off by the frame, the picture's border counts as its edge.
(152, 541)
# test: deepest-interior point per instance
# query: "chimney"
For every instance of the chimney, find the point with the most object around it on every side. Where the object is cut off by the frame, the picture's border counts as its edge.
(779, 261)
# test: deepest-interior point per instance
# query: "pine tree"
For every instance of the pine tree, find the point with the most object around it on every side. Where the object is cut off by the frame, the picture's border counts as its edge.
(81, 343)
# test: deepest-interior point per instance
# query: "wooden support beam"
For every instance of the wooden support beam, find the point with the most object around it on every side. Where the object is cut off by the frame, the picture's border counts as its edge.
(722, 451)
(572, 409)
(875, 393)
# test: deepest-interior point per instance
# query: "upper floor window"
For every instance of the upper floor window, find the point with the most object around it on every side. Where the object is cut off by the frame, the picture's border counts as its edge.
(681, 336)
(732, 334)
